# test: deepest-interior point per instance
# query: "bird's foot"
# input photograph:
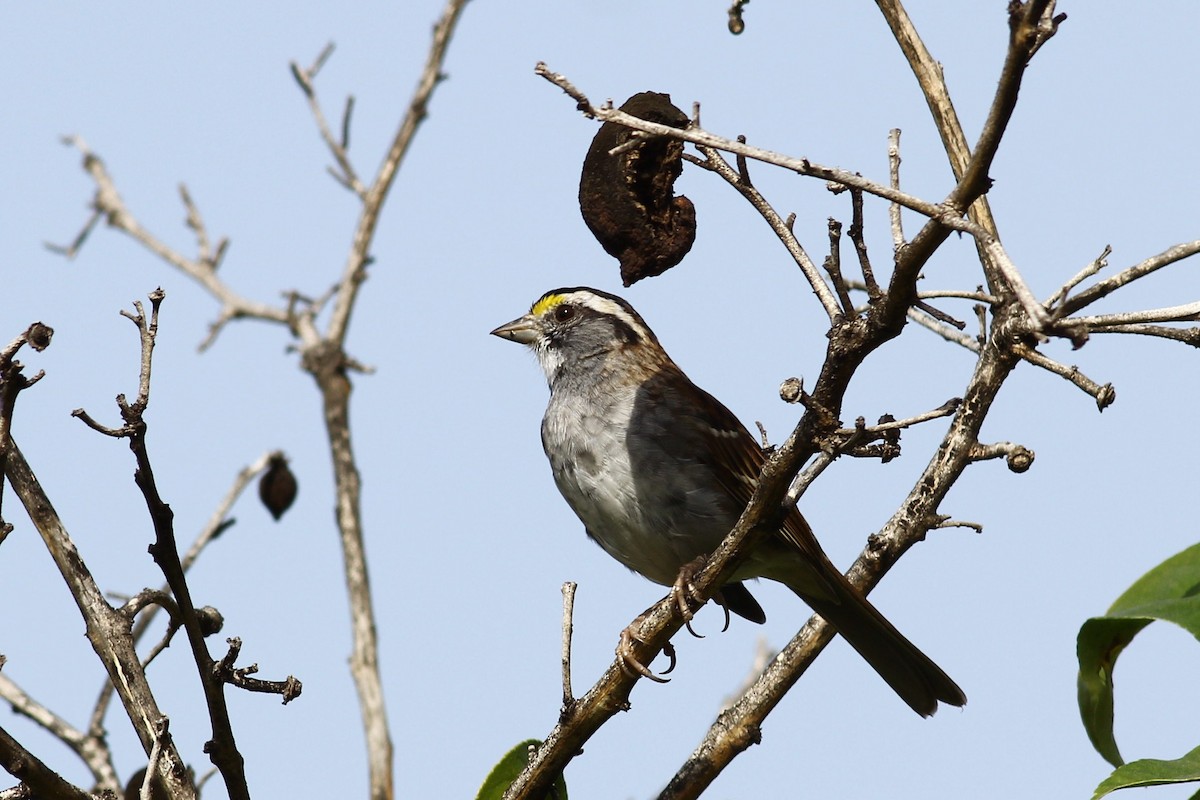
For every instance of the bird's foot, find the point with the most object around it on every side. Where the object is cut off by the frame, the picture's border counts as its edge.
(685, 595)
(630, 664)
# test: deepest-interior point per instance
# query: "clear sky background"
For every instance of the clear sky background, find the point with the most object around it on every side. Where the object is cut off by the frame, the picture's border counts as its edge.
(467, 538)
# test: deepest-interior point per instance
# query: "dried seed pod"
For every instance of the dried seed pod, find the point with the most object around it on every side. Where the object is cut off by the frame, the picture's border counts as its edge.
(39, 335)
(628, 199)
(211, 620)
(277, 487)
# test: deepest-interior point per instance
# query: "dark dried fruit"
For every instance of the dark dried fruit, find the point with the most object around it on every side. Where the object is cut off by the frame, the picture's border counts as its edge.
(211, 620)
(628, 200)
(277, 487)
(39, 336)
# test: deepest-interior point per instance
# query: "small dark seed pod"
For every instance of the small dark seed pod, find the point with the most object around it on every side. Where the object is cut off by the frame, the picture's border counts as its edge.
(277, 487)
(211, 620)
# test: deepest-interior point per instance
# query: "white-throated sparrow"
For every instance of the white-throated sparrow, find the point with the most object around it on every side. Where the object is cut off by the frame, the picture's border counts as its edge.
(659, 471)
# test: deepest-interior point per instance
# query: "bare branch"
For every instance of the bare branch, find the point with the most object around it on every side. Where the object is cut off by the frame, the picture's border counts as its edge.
(196, 223)
(946, 522)
(289, 688)
(809, 474)
(108, 203)
(940, 316)
(1189, 312)
(995, 255)
(971, 166)
(714, 162)
(700, 137)
(1141, 270)
(418, 109)
(1099, 263)
(860, 246)
(981, 316)
(833, 265)
(162, 736)
(894, 216)
(1019, 457)
(568, 627)
(347, 114)
(217, 524)
(29, 769)
(960, 294)
(1189, 336)
(92, 751)
(1105, 395)
(947, 332)
(944, 410)
(71, 250)
(108, 629)
(348, 177)
(12, 383)
(942, 216)
(148, 598)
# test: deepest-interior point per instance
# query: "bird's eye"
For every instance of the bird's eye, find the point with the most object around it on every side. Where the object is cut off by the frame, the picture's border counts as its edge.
(564, 312)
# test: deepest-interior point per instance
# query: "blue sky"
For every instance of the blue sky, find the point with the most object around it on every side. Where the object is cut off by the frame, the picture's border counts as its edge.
(468, 539)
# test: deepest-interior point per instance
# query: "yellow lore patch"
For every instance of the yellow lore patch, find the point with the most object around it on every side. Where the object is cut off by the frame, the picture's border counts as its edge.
(546, 303)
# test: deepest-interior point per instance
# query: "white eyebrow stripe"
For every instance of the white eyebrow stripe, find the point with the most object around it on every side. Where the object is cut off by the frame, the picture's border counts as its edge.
(603, 305)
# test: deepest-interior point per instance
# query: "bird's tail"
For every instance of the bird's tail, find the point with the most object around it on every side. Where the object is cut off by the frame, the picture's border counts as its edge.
(911, 674)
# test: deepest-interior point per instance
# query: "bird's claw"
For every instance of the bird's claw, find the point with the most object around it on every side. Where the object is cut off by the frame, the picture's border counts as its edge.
(629, 662)
(685, 595)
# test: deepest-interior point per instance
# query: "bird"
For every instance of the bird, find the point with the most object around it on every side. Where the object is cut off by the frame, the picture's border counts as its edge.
(659, 471)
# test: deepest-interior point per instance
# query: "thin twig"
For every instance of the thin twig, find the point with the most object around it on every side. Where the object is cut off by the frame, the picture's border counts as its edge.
(1097, 264)
(162, 736)
(348, 177)
(1150, 265)
(1189, 336)
(107, 203)
(978, 295)
(947, 332)
(939, 315)
(894, 217)
(856, 234)
(1189, 312)
(568, 627)
(947, 522)
(92, 751)
(833, 266)
(981, 316)
(289, 688)
(1018, 456)
(418, 109)
(700, 137)
(944, 410)
(714, 162)
(809, 474)
(1104, 395)
(969, 167)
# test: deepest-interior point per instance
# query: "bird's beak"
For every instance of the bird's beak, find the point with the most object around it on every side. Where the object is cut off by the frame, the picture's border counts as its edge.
(523, 330)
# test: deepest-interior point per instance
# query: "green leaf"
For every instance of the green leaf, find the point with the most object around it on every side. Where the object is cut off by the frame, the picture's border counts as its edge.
(1152, 772)
(507, 770)
(1171, 592)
